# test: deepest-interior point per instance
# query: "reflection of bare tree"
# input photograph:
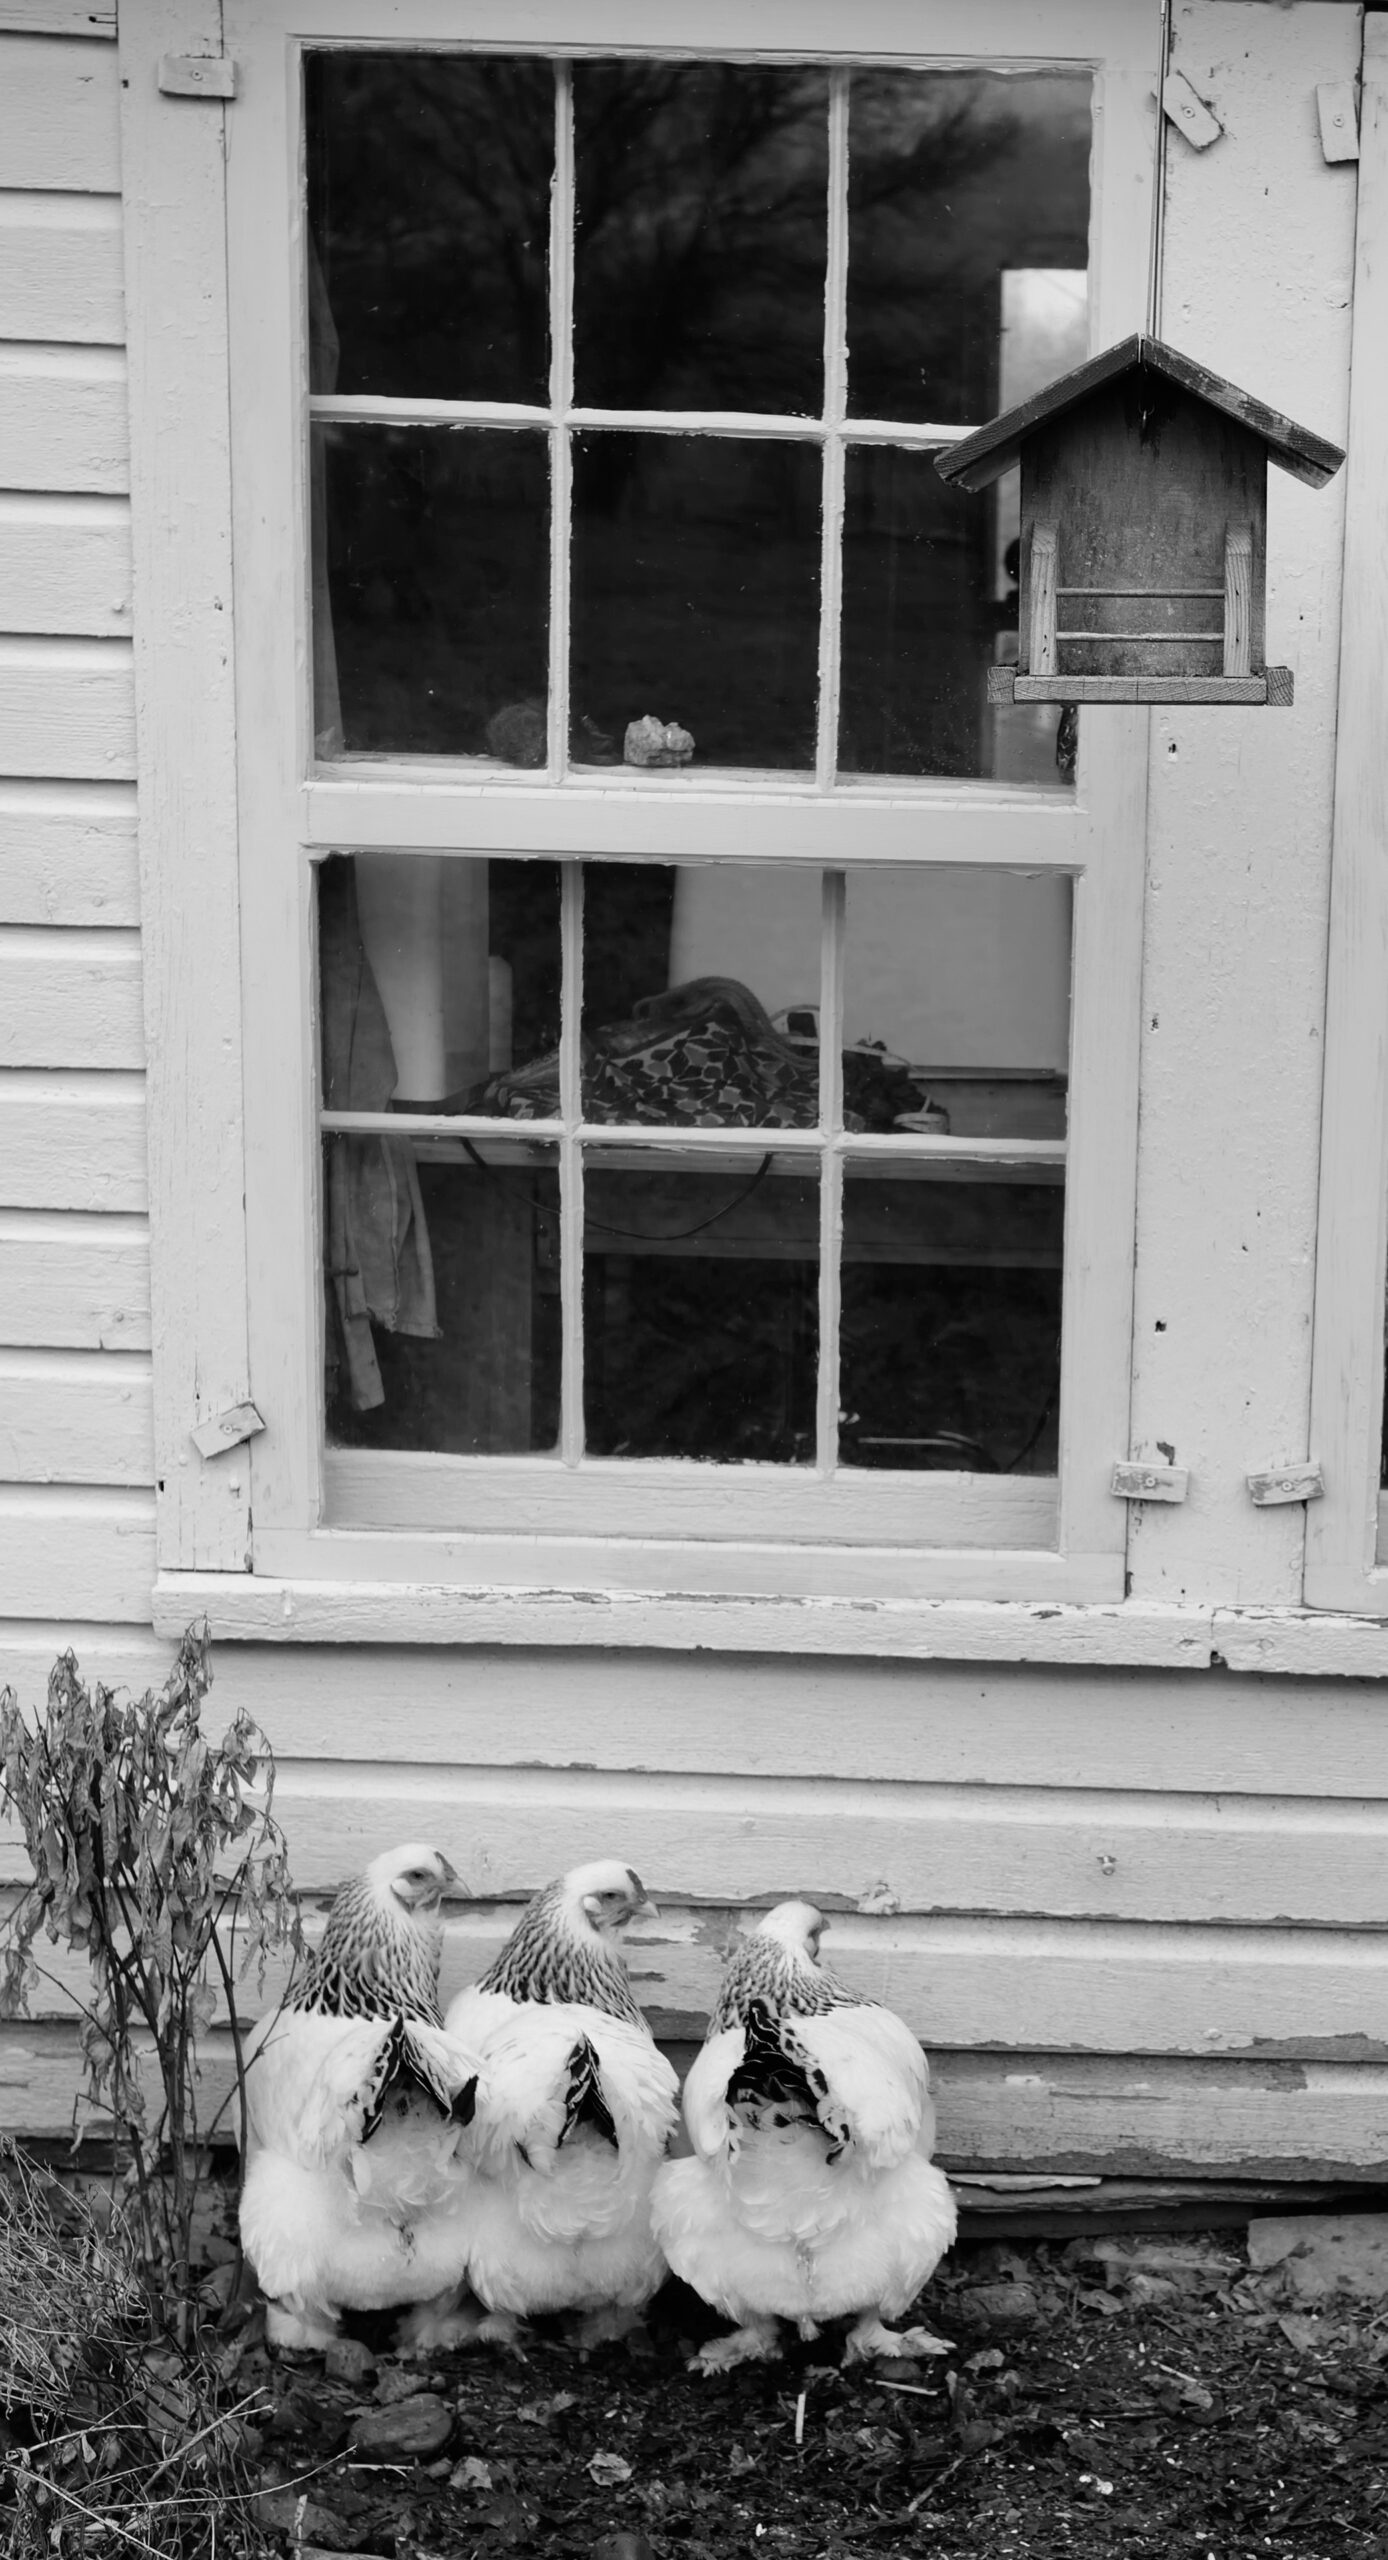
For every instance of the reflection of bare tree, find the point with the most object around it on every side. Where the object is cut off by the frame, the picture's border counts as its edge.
(701, 238)
(429, 182)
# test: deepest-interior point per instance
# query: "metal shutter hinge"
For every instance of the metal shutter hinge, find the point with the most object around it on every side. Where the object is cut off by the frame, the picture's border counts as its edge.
(1133, 1480)
(1337, 112)
(1191, 114)
(197, 75)
(240, 1422)
(1287, 1484)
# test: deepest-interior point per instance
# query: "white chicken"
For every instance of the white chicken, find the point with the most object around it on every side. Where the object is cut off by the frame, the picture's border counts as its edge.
(574, 2112)
(357, 2102)
(811, 2193)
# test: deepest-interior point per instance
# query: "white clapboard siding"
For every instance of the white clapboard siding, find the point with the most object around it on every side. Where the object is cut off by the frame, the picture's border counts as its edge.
(69, 853)
(1024, 1987)
(72, 1141)
(1004, 1851)
(63, 421)
(60, 266)
(65, 564)
(1105, 2115)
(76, 1417)
(60, 114)
(73, 1282)
(71, 1552)
(70, 998)
(67, 707)
(1018, 1725)
(58, 18)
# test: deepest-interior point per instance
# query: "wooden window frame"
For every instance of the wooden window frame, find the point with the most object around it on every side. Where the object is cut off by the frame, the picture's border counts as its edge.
(235, 811)
(1347, 1528)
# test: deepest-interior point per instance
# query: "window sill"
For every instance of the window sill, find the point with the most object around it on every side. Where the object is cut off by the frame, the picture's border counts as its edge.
(1121, 1635)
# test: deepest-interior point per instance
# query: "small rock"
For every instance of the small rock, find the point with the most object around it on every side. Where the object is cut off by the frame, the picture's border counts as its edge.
(471, 2473)
(406, 2431)
(608, 2471)
(653, 742)
(519, 733)
(999, 2306)
(399, 2382)
(624, 2546)
(289, 2511)
(1320, 2254)
(348, 2360)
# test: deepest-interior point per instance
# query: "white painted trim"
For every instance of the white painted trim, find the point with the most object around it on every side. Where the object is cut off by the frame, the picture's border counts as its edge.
(175, 267)
(1347, 1382)
(262, 1608)
(269, 1344)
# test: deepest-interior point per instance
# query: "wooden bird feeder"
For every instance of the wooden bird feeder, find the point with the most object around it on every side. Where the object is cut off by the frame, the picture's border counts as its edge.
(1144, 530)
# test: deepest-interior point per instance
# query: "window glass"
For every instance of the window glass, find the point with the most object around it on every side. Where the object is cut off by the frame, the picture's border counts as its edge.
(434, 606)
(734, 1162)
(954, 178)
(428, 196)
(821, 271)
(700, 229)
(696, 597)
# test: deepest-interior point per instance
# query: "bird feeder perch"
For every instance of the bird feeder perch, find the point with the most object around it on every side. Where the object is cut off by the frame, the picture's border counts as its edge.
(1144, 530)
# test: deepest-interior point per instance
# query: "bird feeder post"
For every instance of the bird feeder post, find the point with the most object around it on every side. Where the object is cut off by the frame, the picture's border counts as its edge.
(1238, 600)
(1044, 658)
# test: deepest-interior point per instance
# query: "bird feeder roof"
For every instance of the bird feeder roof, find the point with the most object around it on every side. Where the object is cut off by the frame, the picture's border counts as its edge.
(984, 456)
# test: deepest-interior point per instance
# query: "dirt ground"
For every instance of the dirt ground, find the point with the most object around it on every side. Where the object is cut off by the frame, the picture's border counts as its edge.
(1150, 2397)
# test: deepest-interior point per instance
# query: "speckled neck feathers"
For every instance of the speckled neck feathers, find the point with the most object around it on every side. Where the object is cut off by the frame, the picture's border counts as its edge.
(785, 1983)
(547, 1959)
(374, 1962)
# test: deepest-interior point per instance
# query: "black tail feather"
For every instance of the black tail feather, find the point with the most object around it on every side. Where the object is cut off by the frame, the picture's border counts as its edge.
(584, 2102)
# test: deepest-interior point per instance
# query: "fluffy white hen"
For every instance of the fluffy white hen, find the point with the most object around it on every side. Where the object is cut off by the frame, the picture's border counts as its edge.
(811, 2193)
(575, 2108)
(357, 2102)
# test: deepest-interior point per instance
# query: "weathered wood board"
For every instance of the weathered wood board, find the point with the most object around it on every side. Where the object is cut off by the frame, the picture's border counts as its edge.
(76, 1417)
(74, 1282)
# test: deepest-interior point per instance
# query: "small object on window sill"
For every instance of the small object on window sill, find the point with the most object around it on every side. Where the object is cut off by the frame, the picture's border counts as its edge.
(588, 744)
(1303, 1483)
(656, 742)
(519, 733)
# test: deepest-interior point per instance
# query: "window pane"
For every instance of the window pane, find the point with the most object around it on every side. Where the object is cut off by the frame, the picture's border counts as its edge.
(955, 178)
(929, 604)
(439, 984)
(431, 591)
(700, 252)
(442, 1286)
(950, 1333)
(700, 1311)
(682, 970)
(964, 975)
(428, 203)
(696, 596)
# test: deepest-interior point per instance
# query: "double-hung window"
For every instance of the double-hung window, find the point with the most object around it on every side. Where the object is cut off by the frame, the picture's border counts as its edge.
(690, 1034)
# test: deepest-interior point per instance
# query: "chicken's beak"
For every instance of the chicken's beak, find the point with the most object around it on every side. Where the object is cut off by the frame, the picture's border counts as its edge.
(449, 1875)
(646, 1910)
